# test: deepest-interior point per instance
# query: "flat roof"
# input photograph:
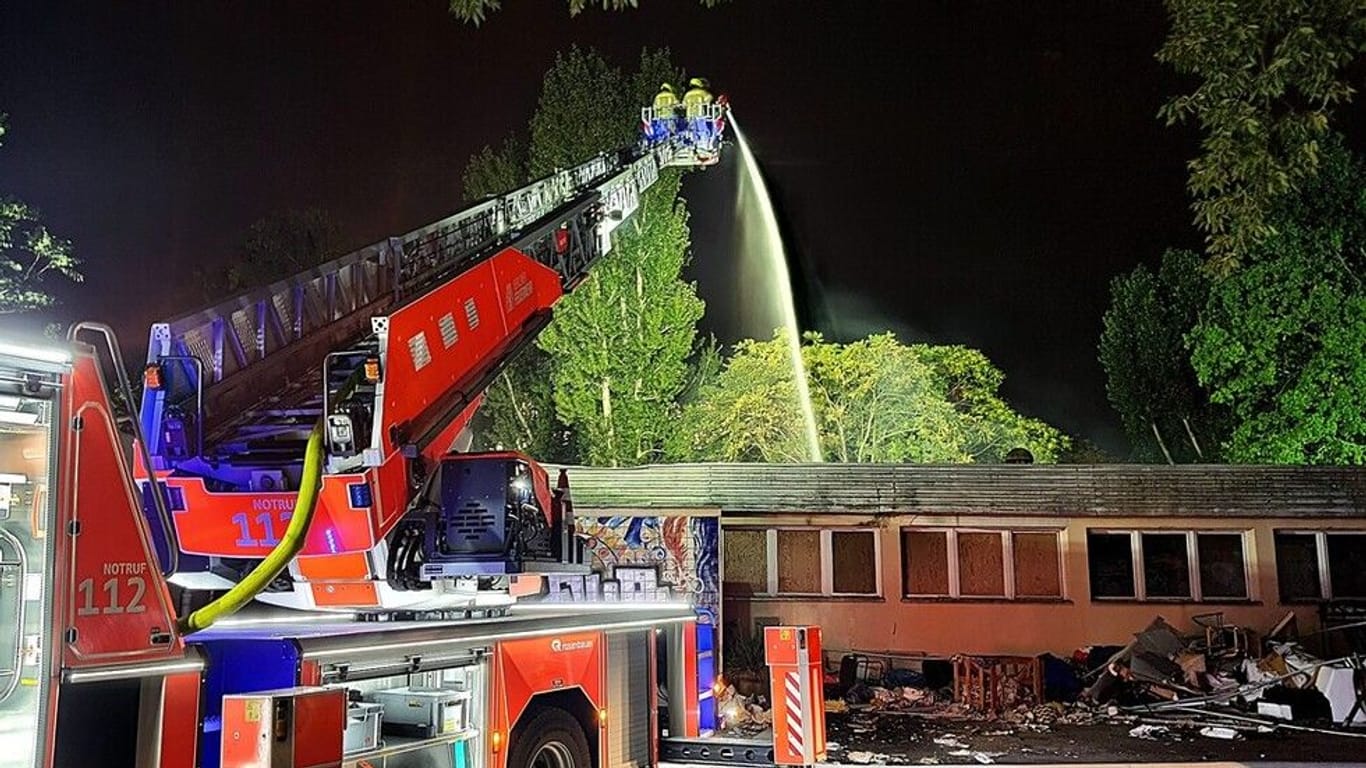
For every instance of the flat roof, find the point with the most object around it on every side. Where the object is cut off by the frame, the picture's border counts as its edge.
(1058, 490)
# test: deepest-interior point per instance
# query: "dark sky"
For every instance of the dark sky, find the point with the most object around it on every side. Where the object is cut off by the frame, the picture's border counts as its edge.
(958, 171)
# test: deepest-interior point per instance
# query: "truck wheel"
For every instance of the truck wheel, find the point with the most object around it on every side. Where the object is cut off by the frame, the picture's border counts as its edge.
(552, 739)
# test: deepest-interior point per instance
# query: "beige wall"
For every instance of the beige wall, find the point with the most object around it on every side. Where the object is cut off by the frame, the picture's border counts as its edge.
(891, 623)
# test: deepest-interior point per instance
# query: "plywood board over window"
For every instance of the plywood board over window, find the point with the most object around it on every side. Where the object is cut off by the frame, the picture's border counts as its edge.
(799, 562)
(802, 562)
(925, 563)
(746, 561)
(1037, 565)
(981, 565)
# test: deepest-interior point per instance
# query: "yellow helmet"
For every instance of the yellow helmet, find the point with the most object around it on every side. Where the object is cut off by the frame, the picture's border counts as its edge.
(697, 82)
(666, 88)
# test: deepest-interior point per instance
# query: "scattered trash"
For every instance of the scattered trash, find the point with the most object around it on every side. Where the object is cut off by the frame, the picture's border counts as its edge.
(951, 741)
(866, 758)
(1215, 732)
(1149, 732)
(836, 705)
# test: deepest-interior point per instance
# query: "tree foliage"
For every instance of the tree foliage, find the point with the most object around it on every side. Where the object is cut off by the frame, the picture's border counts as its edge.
(604, 382)
(623, 340)
(1282, 342)
(875, 400)
(275, 247)
(1268, 75)
(495, 171)
(29, 256)
(477, 11)
(1149, 378)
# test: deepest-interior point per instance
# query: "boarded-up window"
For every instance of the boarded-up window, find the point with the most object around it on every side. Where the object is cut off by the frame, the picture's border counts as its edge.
(1222, 571)
(1110, 559)
(854, 563)
(925, 562)
(1347, 565)
(1036, 564)
(981, 565)
(1297, 566)
(799, 562)
(746, 562)
(1166, 570)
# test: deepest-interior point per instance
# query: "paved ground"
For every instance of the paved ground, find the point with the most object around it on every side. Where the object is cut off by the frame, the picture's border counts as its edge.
(909, 739)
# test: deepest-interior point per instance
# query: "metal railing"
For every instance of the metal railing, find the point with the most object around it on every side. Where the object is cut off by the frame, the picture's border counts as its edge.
(248, 344)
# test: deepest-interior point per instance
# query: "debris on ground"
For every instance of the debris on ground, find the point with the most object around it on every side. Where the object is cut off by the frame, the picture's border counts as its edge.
(1210, 682)
(1149, 731)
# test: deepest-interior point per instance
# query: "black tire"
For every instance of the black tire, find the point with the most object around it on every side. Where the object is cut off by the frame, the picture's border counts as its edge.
(551, 739)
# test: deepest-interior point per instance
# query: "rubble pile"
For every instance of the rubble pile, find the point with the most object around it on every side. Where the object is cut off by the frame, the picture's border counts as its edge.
(1224, 683)
(1214, 683)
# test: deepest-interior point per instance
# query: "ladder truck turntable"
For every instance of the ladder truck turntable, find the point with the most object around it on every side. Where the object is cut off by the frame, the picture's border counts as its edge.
(300, 447)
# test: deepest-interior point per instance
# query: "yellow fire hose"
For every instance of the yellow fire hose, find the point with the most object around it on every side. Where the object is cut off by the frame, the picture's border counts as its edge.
(265, 571)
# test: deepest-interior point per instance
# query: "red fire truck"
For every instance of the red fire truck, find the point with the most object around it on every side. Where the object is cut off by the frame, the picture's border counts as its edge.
(297, 447)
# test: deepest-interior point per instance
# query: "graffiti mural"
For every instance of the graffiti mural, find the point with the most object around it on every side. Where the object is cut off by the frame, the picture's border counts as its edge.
(649, 559)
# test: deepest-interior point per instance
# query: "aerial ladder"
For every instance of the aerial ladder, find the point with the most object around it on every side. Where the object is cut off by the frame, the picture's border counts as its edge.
(379, 358)
(303, 441)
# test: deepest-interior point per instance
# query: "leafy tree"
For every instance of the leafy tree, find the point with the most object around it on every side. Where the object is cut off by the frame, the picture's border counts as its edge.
(604, 382)
(275, 247)
(1268, 76)
(1282, 342)
(477, 11)
(1149, 378)
(875, 400)
(495, 171)
(622, 341)
(29, 254)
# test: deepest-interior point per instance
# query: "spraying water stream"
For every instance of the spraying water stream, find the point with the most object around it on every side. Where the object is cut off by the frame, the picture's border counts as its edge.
(752, 200)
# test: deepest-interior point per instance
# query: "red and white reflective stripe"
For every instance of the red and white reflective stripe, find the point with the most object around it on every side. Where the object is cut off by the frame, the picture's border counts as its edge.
(792, 689)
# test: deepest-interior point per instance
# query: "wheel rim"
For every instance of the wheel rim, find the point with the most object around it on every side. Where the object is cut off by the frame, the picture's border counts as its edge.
(553, 754)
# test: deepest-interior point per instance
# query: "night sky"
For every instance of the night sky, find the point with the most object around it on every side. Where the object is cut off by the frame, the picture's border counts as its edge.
(959, 172)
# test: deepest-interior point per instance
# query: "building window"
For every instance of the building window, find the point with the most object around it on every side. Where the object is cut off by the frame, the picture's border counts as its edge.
(1320, 565)
(1186, 566)
(746, 562)
(801, 561)
(976, 564)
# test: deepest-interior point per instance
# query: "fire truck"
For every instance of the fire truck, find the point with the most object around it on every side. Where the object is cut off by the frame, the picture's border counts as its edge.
(300, 450)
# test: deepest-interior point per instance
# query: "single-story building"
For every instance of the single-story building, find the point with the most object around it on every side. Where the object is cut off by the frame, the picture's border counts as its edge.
(1008, 559)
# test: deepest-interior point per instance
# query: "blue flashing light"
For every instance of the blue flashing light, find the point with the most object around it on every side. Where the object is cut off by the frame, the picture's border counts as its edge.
(360, 495)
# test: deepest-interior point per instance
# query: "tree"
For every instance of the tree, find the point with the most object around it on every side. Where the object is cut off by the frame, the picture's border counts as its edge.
(623, 340)
(275, 247)
(495, 171)
(29, 255)
(1149, 378)
(1282, 342)
(604, 381)
(875, 400)
(477, 11)
(1269, 74)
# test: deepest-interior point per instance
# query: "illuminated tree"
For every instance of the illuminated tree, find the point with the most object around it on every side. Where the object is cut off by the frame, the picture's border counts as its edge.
(604, 380)
(1167, 416)
(1282, 342)
(1268, 75)
(29, 256)
(875, 400)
